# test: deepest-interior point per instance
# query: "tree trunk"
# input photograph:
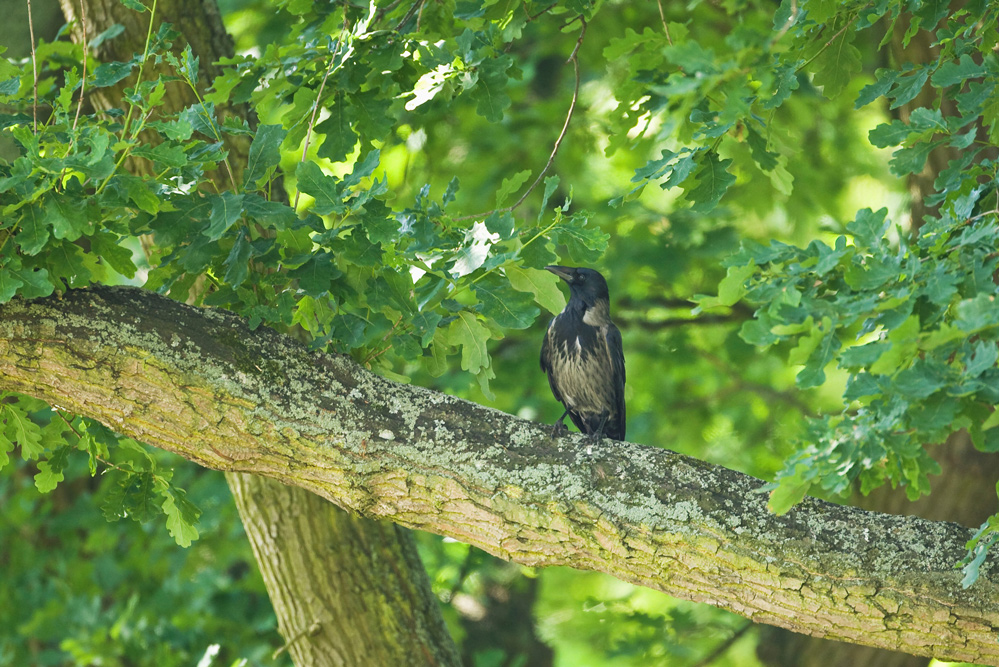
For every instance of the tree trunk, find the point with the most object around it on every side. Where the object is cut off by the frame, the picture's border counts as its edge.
(202, 385)
(346, 591)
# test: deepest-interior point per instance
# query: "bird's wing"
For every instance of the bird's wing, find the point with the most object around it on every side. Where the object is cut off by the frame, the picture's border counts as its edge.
(546, 361)
(616, 351)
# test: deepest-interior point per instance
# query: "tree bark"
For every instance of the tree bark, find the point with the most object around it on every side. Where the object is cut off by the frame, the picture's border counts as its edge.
(335, 610)
(201, 384)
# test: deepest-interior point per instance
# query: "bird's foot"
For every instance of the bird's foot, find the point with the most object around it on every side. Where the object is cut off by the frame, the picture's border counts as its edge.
(559, 429)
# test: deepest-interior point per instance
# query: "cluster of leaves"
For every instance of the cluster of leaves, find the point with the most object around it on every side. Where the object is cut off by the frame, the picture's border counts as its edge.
(915, 325)
(139, 488)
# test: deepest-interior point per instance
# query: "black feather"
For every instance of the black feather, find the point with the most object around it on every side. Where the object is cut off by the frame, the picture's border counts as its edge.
(583, 357)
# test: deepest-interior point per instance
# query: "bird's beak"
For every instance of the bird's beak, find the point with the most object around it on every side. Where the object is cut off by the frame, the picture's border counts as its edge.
(563, 272)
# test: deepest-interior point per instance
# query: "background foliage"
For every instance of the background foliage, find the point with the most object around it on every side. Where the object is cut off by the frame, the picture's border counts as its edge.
(750, 152)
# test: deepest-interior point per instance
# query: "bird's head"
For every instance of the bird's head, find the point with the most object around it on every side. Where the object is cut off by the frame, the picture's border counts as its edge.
(585, 284)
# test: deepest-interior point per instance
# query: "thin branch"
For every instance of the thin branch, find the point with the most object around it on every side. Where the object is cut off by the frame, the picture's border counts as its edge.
(34, 69)
(83, 79)
(662, 17)
(539, 14)
(558, 142)
(312, 120)
(724, 646)
(417, 6)
(792, 17)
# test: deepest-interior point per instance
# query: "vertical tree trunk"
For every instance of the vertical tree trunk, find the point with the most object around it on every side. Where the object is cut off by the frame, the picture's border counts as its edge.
(346, 591)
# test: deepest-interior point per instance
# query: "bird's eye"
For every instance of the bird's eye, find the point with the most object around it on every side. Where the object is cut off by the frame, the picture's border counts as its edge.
(581, 277)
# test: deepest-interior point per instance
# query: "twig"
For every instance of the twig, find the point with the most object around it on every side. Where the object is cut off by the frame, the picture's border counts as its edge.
(792, 17)
(541, 12)
(724, 646)
(828, 44)
(34, 70)
(558, 142)
(83, 79)
(319, 96)
(417, 6)
(662, 17)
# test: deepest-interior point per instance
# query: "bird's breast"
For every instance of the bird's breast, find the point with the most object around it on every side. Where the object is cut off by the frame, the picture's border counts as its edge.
(580, 366)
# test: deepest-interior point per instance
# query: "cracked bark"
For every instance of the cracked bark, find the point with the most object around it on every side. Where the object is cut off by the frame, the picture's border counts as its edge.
(201, 384)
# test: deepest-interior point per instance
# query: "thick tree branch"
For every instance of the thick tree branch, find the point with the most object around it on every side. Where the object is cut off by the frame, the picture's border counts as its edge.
(199, 383)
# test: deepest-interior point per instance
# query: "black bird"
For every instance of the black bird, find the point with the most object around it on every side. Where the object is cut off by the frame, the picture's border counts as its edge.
(582, 356)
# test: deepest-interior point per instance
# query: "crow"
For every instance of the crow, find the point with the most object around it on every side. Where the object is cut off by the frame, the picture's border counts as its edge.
(583, 359)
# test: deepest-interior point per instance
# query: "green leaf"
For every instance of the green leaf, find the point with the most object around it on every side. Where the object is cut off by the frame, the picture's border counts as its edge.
(790, 491)
(511, 185)
(910, 160)
(34, 230)
(952, 73)
(20, 430)
(904, 346)
(316, 276)
(67, 217)
(886, 78)
(836, 64)
(165, 155)
(467, 332)
(583, 243)
(226, 210)
(971, 569)
(508, 308)
(50, 472)
(141, 192)
(9, 284)
(237, 263)
(118, 258)
(542, 284)
(908, 87)
(340, 136)
(491, 91)
(869, 227)
(425, 325)
(109, 74)
(35, 282)
(110, 33)
(712, 181)
(758, 148)
(436, 361)
(264, 154)
(181, 514)
(130, 495)
(321, 187)
(889, 134)
(785, 83)
(977, 314)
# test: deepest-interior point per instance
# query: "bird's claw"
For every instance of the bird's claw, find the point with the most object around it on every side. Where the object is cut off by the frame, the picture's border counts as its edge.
(559, 429)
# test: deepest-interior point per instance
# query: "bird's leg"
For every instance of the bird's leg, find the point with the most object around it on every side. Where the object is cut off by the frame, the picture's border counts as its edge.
(560, 429)
(598, 434)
